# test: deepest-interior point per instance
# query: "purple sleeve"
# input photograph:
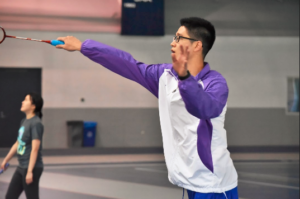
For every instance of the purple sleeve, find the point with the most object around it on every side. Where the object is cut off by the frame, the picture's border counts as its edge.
(204, 104)
(124, 64)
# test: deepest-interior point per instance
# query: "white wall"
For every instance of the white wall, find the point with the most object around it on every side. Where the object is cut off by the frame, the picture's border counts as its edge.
(256, 69)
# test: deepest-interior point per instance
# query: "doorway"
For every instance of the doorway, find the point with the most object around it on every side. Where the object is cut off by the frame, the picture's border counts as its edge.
(15, 83)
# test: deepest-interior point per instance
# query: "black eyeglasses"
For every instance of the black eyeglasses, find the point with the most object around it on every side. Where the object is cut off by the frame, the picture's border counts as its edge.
(177, 38)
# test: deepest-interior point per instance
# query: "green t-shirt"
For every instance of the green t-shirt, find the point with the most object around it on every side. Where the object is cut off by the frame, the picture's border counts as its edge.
(30, 129)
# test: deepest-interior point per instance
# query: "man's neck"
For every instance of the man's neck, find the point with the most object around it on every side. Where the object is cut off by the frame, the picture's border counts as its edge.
(195, 66)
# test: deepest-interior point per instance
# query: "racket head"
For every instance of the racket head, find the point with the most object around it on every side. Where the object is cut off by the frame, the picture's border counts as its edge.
(2, 35)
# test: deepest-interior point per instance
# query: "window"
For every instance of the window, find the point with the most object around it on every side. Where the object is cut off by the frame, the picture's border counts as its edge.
(293, 95)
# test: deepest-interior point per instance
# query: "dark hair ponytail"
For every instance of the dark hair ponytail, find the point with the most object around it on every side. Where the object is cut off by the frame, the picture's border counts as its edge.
(40, 114)
(38, 101)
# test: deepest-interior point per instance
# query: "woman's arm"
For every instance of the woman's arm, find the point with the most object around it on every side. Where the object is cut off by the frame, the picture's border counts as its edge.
(33, 156)
(11, 154)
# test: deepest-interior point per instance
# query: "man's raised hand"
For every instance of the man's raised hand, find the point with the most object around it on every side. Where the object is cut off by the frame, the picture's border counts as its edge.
(180, 61)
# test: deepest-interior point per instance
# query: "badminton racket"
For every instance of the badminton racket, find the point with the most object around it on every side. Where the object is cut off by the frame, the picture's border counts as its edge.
(6, 166)
(3, 35)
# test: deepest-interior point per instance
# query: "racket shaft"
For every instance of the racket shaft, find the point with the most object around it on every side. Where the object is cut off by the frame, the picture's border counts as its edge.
(24, 38)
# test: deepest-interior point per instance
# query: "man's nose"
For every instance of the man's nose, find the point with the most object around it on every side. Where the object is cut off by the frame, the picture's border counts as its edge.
(173, 44)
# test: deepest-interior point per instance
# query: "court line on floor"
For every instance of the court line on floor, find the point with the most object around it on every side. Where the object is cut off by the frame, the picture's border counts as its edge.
(270, 177)
(269, 184)
(151, 170)
(101, 187)
(240, 174)
(103, 166)
(243, 181)
(280, 162)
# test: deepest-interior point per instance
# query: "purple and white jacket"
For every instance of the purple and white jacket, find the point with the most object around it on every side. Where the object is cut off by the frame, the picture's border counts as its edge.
(192, 115)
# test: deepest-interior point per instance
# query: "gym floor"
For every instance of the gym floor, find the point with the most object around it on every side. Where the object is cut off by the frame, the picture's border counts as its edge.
(144, 176)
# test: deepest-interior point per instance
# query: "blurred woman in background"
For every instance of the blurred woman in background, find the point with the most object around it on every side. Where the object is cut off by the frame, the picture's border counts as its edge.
(28, 147)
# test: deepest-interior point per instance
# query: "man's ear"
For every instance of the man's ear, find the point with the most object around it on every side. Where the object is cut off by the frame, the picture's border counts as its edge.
(198, 46)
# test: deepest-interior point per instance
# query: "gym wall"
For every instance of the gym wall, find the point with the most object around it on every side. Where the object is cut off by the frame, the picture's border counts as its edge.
(256, 56)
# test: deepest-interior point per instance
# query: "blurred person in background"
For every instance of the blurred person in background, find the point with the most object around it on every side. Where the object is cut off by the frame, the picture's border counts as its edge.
(28, 147)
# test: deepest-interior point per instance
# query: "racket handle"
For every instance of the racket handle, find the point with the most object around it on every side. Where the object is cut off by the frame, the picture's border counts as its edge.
(6, 166)
(57, 42)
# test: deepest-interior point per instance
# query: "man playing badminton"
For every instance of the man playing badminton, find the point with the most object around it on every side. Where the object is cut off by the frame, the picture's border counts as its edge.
(192, 107)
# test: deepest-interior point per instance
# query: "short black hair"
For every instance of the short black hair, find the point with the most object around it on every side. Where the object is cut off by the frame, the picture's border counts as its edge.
(202, 30)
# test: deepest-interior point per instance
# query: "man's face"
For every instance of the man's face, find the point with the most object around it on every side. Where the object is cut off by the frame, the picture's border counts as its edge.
(182, 31)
